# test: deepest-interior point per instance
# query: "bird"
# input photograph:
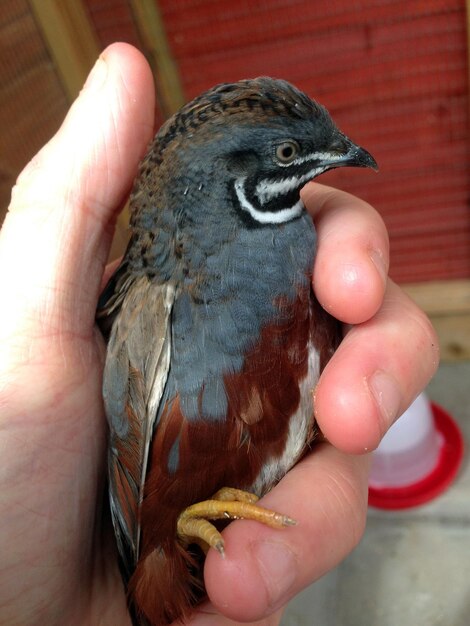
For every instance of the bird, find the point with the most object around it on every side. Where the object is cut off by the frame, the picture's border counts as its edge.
(215, 339)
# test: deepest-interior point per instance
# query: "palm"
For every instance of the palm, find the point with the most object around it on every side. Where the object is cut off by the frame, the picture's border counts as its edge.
(52, 493)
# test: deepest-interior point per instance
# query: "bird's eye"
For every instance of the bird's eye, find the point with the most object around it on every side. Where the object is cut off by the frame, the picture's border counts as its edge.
(287, 151)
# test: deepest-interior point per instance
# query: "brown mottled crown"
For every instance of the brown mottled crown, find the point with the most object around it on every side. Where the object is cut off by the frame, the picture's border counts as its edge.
(262, 97)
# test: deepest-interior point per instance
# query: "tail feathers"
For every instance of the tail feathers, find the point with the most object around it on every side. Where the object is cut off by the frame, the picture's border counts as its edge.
(162, 588)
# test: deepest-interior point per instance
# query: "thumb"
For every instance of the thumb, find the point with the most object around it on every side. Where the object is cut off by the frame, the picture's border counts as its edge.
(56, 236)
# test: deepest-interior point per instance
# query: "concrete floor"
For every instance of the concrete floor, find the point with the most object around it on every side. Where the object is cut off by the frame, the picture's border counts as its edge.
(412, 567)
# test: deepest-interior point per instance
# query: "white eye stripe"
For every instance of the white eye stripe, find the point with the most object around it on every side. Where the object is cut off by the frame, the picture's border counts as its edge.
(266, 217)
(314, 156)
(266, 190)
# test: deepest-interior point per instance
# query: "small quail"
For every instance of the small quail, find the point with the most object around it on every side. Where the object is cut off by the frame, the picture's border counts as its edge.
(215, 338)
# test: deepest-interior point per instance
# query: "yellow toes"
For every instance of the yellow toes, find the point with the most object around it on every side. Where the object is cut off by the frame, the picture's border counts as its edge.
(227, 504)
(236, 495)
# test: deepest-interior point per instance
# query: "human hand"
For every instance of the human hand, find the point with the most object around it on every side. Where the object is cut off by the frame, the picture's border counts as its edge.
(59, 563)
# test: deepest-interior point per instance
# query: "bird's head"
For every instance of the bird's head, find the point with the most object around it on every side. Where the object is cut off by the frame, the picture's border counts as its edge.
(262, 139)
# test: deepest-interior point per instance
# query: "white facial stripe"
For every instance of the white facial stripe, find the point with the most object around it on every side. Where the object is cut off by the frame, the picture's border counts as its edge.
(268, 189)
(266, 217)
(315, 156)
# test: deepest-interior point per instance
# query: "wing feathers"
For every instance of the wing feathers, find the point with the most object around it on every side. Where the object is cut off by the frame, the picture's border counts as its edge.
(135, 374)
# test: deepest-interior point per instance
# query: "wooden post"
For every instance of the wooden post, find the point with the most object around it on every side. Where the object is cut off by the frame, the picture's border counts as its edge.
(70, 38)
(152, 33)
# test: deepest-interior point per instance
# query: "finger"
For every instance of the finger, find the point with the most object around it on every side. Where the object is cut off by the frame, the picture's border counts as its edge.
(55, 239)
(208, 615)
(377, 371)
(353, 253)
(264, 568)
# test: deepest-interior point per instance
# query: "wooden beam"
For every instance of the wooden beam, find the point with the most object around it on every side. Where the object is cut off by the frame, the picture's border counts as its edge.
(152, 33)
(71, 40)
(442, 297)
(447, 303)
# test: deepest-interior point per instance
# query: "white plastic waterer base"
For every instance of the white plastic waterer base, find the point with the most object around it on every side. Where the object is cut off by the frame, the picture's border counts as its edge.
(417, 459)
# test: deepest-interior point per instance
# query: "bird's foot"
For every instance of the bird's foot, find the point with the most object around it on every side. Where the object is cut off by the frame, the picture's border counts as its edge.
(227, 504)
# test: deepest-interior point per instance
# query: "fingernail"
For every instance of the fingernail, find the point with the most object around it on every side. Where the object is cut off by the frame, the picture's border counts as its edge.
(97, 76)
(378, 260)
(278, 568)
(387, 395)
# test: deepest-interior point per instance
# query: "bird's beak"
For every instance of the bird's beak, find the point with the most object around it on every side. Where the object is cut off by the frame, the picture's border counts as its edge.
(349, 155)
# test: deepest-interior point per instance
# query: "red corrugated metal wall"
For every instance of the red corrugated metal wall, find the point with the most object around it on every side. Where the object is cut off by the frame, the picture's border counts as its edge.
(393, 73)
(113, 21)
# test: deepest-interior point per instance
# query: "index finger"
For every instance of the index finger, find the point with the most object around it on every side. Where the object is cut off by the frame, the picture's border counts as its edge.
(352, 260)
